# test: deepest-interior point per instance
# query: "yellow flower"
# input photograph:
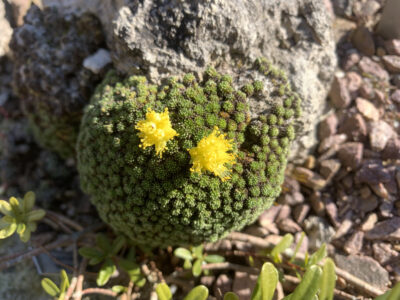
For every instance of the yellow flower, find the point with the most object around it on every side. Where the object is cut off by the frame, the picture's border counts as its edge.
(211, 154)
(156, 130)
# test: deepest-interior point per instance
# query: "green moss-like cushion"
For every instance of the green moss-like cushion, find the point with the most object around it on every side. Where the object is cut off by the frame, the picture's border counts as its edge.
(159, 201)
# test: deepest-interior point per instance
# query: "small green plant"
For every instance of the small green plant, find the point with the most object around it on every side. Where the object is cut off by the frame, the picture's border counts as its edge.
(200, 292)
(195, 258)
(53, 290)
(104, 252)
(19, 216)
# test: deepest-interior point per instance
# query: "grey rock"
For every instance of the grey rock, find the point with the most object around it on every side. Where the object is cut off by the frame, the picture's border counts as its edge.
(97, 61)
(367, 65)
(354, 244)
(159, 39)
(365, 268)
(268, 216)
(384, 253)
(392, 63)
(6, 30)
(318, 231)
(388, 230)
(343, 8)
(49, 78)
(380, 133)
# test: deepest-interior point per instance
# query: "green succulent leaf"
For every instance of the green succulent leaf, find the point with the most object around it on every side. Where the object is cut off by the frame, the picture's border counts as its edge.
(319, 255)
(163, 292)
(50, 287)
(393, 294)
(107, 269)
(187, 264)
(309, 286)
(141, 282)
(28, 201)
(200, 292)
(64, 281)
(25, 235)
(198, 251)
(284, 243)
(119, 289)
(5, 207)
(89, 252)
(183, 253)
(196, 270)
(133, 270)
(268, 280)
(21, 228)
(328, 280)
(36, 215)
(213, 258)
(231, 296)
(103, 243)
(117, 244)
(7, 229)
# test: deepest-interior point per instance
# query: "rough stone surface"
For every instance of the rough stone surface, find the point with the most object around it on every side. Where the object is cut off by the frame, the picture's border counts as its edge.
(6, 30)
(365, 268)
(49, 78)
(367, 65)
(381, 132)
(392, 149)
(367, 109)
(339, 94)
(350, 154)
(328, 126)
(388, 230)
(163, 38)
(98, 61)
(392, 63)
(318, 231)
(354, 127)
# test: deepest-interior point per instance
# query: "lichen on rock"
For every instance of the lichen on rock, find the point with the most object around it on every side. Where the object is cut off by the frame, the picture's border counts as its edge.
(159, 201)
(49, 76)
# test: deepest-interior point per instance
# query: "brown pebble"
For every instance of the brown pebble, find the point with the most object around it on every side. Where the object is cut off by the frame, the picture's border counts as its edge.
(339, 94)
(392, 63)
(367, 65)
(351, 154)
(328, 126)
(367, 109)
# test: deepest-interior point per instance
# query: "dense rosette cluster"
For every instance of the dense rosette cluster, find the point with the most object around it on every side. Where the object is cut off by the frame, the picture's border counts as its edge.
(169, 200)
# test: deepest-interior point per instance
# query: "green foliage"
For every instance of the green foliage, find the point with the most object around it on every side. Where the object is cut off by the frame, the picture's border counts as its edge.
(103, 252)
(195, 258)
(159, 201)
(163, 292)
(19, 216)
(284, 243)
(53, 290)
(393, 294)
